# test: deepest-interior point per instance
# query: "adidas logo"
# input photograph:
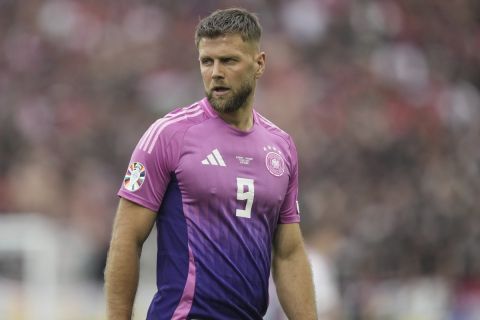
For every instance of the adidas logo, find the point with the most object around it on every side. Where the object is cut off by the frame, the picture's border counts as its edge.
(214, 159)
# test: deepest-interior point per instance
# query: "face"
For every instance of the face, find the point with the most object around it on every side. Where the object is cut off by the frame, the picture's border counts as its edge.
(230, 68)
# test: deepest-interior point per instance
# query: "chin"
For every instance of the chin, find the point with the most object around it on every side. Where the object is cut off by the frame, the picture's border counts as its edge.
(220, 107)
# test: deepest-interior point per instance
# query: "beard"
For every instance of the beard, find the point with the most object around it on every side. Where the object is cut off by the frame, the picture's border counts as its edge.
(233, 103)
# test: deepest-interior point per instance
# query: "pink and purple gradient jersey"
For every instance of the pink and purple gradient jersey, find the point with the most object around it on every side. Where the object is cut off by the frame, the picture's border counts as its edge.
(219, 193)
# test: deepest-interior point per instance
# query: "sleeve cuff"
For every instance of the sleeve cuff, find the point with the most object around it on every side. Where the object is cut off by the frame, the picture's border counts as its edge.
(138, 200)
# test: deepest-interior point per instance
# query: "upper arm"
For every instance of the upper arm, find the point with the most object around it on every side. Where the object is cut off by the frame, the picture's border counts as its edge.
(151, 166)
(289, 213)
(287, 241)
(132, 222)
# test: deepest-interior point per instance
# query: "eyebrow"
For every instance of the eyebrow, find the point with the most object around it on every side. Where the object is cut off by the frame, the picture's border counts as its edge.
(220, 57)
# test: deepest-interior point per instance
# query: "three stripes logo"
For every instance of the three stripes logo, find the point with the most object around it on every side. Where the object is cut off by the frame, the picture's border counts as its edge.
(214, 159)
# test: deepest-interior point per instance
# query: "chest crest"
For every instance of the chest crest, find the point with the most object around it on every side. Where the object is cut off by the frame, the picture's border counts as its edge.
(274, 161)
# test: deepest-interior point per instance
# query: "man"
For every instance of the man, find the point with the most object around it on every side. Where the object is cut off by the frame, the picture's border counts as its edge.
(220, 182)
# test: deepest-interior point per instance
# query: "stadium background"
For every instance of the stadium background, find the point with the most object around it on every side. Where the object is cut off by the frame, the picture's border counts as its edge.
(381, 97)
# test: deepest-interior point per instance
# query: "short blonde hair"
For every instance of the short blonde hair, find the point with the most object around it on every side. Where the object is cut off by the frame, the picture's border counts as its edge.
(229, 21)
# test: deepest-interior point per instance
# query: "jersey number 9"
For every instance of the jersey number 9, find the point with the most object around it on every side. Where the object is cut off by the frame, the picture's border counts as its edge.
(245, 191)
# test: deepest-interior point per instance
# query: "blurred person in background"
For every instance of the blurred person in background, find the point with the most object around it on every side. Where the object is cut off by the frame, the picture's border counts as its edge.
(322, 245)
(221, 183)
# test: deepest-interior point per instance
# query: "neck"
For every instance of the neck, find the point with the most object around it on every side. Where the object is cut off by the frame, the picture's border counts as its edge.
(242, 119)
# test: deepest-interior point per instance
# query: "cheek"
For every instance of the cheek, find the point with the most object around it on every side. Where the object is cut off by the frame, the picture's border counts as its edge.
(205, 78)
(245, 75)
(250, 74)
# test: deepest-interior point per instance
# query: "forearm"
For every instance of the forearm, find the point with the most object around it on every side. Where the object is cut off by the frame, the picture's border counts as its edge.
(121, 279)
(293, 280)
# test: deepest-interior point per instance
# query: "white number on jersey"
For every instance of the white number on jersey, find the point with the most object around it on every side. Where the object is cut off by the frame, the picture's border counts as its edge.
(245, 191)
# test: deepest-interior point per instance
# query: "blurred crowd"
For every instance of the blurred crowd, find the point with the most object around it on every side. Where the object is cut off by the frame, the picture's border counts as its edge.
(381, 97)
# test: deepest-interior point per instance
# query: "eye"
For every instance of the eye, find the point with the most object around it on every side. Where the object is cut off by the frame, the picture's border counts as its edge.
(206, 61)
(228, 60)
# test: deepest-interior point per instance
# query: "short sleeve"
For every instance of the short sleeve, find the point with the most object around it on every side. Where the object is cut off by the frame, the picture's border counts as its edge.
(149, 171)
(289, 212)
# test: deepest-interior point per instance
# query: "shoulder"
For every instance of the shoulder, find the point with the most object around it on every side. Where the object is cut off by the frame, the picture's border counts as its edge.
(183, 118)
(171, 125)
(273, 129)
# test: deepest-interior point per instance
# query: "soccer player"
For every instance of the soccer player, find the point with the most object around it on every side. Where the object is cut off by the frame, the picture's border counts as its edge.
(220, 182)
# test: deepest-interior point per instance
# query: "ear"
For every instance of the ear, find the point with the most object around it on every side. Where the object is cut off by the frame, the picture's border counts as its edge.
(260, 64)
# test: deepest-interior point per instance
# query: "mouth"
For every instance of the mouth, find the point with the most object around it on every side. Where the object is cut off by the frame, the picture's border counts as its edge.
(220, 90)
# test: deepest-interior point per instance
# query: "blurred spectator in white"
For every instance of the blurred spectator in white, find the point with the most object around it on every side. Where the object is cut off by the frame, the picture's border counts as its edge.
(321, 248)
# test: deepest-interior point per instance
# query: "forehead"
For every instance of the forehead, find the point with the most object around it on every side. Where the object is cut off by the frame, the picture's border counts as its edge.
(227, 44)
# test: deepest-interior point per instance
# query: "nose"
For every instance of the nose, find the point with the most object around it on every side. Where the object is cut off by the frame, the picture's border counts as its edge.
(217, 70)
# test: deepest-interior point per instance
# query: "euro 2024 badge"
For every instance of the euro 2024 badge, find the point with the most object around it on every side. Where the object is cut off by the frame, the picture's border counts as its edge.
(274, 161)
(135, 176)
